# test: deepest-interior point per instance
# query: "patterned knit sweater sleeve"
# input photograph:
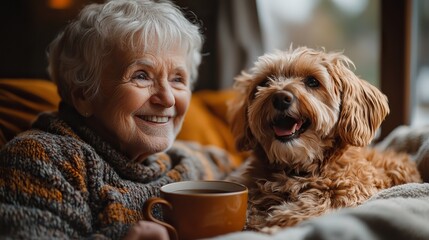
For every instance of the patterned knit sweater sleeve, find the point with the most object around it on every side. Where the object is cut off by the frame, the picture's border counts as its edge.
(60, 180)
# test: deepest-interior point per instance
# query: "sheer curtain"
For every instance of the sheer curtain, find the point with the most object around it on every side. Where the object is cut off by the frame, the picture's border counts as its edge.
(233, 39)
(239, 38)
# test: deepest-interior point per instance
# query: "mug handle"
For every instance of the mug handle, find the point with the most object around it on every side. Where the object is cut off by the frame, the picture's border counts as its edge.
(147, 214)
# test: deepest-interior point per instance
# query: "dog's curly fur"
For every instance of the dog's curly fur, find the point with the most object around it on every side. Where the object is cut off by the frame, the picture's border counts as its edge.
(307, 120)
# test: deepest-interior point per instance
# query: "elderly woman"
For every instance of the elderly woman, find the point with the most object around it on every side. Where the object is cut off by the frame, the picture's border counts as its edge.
(124, 71)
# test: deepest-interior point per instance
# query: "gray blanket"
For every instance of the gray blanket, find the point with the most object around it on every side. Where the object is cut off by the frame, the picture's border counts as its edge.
(401, 212)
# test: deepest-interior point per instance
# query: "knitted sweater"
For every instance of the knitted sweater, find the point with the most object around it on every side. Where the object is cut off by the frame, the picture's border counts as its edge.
(61, 180)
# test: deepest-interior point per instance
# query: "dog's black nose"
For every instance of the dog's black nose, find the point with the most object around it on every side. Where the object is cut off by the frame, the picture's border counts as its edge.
(282, 100)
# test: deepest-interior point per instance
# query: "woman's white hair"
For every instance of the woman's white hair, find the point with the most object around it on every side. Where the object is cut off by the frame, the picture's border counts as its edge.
(77, 55)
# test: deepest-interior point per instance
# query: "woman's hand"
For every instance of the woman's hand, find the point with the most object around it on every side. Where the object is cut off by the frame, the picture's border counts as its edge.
(146, 230)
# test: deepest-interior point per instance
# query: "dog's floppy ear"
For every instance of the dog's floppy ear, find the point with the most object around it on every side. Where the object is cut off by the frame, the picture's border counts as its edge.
(237, 113)
(363, 106)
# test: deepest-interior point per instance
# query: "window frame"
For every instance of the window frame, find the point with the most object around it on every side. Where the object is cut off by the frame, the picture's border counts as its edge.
(395, 57)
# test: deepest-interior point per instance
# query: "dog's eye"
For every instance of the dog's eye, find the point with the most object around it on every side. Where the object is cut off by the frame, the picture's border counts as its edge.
(311, 82)
(264, 83)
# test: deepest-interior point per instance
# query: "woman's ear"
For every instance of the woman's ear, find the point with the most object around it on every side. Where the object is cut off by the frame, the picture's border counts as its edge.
(81, 102)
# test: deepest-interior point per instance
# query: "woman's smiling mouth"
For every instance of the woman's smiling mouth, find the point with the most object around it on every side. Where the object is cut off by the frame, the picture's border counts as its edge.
(155, 119)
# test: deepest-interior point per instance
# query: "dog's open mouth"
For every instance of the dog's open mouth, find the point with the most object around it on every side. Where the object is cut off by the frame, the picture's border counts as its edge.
(287, 128)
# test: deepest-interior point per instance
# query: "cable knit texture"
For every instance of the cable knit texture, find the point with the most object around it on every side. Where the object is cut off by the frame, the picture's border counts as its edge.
(61, 180)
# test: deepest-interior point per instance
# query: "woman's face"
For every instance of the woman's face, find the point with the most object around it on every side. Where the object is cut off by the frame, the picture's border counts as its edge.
(143, 101)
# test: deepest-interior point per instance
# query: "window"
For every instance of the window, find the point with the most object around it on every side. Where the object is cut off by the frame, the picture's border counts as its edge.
(351, 26)
(420, 63)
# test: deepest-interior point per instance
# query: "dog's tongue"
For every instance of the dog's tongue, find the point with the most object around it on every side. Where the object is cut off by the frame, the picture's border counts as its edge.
(282, 131)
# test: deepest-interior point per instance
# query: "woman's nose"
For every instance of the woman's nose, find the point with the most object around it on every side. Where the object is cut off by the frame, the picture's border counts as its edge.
(163, 95)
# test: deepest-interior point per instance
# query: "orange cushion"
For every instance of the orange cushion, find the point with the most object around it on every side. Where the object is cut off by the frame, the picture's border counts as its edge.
(206, 122)
(21, 100)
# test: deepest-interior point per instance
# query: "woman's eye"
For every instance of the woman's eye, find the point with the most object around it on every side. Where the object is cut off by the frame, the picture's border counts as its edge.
(311, 82)
(178, 80)
(140, 75)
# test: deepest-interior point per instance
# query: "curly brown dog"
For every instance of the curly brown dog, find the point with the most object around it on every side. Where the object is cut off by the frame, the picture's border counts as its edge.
(307, 120)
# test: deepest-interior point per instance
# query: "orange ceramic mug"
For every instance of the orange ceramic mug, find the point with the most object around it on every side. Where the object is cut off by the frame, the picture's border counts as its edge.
(200, 209)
